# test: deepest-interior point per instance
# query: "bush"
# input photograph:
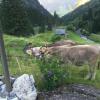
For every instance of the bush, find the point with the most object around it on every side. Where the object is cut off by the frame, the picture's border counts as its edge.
(55, 37)
(53, 74)
(85, 32)
(70, 27)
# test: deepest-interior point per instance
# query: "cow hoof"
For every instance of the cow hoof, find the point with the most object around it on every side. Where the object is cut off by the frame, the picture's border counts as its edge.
(87, 77)
(93, 78)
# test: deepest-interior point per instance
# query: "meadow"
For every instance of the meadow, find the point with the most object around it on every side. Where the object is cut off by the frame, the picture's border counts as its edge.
(21, 63)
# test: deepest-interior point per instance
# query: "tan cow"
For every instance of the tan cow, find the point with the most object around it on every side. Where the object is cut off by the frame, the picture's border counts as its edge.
(63, 42)
(34, 51)
(78, 55)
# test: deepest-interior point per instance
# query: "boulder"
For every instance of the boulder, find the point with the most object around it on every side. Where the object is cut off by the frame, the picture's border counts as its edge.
(24, 87)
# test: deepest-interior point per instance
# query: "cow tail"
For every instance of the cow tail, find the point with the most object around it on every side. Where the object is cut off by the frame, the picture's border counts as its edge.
(98, 67)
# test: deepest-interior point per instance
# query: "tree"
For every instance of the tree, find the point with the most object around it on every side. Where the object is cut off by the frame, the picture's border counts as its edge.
(56, 19)
(14, 18)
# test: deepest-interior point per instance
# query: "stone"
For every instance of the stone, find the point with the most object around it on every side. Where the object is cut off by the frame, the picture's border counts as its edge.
(12, 79)
(24, 87)
(85, 89)
(12, 96)
(1, 78)
(3, 92)
(1, 83)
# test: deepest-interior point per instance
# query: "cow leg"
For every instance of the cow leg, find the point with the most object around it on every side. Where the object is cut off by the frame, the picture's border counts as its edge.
(93, 72)
(88, 77)
(92, 69)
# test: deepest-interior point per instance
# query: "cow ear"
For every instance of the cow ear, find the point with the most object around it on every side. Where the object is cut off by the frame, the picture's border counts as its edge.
(46, 45)
(29, 45)
(41, 47)
(40, 50)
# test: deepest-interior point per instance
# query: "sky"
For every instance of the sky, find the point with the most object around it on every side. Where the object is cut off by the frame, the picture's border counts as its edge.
(61, 6)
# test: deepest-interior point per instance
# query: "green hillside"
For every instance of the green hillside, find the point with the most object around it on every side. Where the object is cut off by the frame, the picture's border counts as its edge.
(20, 63)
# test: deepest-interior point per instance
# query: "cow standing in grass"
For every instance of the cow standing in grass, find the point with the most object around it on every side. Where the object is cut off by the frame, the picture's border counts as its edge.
(35, 51)
(63, 42)
(77, 55)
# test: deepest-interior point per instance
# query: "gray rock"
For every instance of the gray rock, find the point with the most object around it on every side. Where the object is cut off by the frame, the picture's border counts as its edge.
(24, 88)
(86, 90)
(3, 92)
(1, 83)
(66, 96)
(12, 79)
(71, 96)
(1, 78)
(12, 96)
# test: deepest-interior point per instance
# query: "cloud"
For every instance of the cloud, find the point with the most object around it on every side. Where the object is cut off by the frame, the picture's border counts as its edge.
(80, 2)
(60, 6)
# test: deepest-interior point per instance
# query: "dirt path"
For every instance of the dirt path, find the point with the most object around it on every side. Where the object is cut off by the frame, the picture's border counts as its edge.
(72, 92)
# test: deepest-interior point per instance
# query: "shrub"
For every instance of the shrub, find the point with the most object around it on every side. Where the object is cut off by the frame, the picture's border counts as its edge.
(55, 37)
(85, 32)
(53, 74)
(70, 27)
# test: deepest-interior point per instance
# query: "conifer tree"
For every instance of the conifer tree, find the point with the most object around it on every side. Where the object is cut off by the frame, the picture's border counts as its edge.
(14, 18)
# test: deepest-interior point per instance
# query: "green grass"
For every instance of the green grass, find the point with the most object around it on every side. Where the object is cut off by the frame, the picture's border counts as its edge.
(95, 37)
(76, 38)
(20, 63)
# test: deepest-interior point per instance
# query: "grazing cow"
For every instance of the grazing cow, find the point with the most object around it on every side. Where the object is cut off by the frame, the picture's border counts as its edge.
(34, 51)
(63, 42)
(78, 55)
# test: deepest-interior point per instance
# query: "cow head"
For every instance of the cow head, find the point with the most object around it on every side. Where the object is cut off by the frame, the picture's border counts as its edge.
(45, 51)
(32, 51)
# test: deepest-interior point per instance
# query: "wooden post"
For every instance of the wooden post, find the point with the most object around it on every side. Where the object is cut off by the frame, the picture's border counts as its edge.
(5, 64)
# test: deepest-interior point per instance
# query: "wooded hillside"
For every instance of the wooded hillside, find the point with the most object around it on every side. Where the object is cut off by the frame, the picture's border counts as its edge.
(86, 16)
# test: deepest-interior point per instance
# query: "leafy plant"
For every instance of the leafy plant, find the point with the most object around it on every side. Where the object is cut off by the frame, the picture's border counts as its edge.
(85, 32)
(71, 27)
(55, 37)
(53, 74)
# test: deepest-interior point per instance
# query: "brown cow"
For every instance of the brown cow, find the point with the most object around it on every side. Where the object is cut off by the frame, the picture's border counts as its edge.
(78, 55)
(34, 51)
(63, 42)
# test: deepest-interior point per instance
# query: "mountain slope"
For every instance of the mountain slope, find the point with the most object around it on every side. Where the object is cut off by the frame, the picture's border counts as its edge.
(18, 17)
(37, 13)
(85, 15)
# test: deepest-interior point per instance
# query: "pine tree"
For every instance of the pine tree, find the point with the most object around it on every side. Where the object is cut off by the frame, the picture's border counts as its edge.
(56, 19)
(14, 18)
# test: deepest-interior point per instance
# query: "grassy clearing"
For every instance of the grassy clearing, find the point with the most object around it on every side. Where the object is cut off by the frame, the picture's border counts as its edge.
(95, 37)
(20, 63)
(76, 38)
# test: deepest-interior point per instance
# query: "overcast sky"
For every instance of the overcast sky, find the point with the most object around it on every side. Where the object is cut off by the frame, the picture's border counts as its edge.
(61, 6)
